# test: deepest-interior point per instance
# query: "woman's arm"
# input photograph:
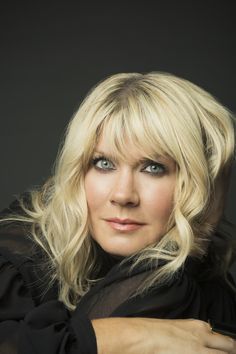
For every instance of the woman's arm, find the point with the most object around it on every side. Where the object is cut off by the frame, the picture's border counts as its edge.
(157, 336)
(23, 326)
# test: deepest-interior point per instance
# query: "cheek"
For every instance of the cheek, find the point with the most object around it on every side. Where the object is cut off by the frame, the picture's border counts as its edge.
(95, 191)
(160, 200)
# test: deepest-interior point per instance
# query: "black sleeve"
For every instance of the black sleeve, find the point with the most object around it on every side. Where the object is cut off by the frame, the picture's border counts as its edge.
(220, 301)
(48, 328)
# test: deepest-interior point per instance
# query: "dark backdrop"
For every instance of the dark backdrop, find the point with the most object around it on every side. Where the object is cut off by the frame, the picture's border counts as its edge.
(52, 52)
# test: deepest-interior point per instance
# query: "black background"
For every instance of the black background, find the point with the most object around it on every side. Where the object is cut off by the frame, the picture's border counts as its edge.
(52, 52)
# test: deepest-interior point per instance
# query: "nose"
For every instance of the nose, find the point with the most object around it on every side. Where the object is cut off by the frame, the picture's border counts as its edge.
(125, 191)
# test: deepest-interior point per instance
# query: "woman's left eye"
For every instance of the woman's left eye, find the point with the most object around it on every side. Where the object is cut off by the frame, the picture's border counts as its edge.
(155, 168)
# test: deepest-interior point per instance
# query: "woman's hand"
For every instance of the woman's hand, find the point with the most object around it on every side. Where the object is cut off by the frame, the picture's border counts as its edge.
(158, 336)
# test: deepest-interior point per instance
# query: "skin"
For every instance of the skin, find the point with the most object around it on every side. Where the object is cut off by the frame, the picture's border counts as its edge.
(133, 189)
(158, 336)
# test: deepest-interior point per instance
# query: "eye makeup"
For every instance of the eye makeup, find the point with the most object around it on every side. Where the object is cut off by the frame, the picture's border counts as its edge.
(151, 167)
(107, 166)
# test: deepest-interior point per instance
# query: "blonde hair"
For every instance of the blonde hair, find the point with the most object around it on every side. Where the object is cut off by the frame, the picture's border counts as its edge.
(159, 113)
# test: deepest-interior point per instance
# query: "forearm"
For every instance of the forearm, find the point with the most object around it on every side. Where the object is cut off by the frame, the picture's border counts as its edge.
(158, 336)
(117, 335)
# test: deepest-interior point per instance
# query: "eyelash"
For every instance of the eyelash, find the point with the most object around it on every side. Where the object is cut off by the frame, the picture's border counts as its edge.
(147, 164)
(97, 159)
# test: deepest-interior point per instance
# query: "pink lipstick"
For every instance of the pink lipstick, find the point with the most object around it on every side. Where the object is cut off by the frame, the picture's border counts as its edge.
(124, 224)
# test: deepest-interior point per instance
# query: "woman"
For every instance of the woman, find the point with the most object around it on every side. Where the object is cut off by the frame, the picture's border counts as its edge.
(127, 226)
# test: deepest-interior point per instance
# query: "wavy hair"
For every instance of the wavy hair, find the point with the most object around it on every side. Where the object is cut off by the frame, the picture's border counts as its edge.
(158, 113)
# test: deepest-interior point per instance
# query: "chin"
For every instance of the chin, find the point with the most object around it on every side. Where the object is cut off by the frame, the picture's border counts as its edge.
(120, 251)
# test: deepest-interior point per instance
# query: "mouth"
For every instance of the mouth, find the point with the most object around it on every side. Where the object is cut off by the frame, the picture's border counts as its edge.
(124, 224)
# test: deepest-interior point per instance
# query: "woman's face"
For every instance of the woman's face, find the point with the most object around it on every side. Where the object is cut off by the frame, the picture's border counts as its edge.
(129, 202)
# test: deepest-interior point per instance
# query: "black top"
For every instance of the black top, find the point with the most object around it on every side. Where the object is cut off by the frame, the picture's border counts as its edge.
(32, 320)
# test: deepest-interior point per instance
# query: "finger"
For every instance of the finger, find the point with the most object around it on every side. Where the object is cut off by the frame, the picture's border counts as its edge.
(215, 351)
(220, 342)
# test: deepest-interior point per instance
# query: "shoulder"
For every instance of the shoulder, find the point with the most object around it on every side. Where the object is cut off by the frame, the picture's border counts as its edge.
(184, 296)
(22, 259)
(217, 296)
(16, 242)
(219, 299)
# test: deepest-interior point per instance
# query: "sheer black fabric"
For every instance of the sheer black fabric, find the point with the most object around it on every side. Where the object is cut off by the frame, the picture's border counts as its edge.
(182, 297)
(32, 320)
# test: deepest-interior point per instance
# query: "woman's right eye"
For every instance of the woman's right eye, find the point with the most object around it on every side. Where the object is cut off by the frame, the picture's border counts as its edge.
(103, 163)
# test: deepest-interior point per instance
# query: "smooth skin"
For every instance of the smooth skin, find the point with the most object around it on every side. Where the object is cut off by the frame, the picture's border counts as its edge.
(158, 336)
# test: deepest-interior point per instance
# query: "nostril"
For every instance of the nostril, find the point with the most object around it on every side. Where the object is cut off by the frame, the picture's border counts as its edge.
(130, 201)
(129, 204)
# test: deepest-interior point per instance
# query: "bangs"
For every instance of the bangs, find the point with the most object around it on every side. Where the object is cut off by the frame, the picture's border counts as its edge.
(133, 126)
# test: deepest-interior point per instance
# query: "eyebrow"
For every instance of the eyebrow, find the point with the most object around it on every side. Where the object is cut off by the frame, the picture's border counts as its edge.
(142, 160)
(105, 154)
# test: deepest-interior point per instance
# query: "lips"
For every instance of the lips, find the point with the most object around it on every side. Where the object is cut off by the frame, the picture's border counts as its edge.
(124, 221)
(124, 224)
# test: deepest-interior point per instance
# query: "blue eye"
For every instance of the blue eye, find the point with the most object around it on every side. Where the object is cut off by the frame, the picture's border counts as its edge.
(155, 168)
(103, 163)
